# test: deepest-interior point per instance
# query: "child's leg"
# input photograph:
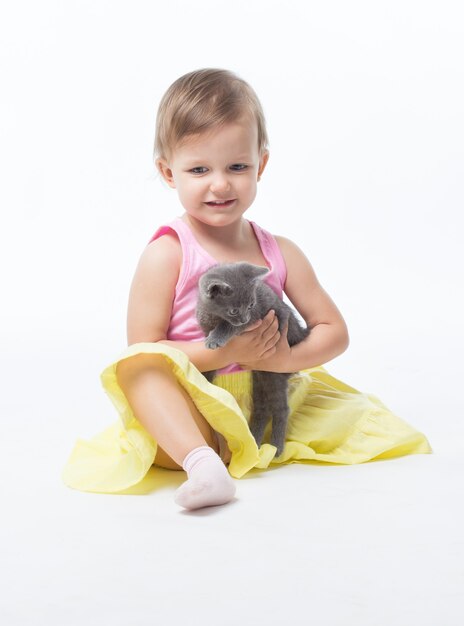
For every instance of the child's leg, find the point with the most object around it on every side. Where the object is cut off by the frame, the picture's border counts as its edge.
(163, 407)
(168, 413)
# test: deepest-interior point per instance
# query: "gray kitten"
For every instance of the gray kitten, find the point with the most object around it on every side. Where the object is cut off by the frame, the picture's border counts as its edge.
(232, 296)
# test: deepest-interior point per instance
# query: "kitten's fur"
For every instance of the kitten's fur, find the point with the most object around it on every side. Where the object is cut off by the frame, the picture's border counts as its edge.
(232, 296)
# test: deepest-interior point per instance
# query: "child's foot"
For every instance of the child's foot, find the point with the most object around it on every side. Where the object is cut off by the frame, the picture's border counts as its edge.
(208, 484)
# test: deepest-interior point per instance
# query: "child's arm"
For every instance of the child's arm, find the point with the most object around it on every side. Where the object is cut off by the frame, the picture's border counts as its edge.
(257, 342)
(329, 334)
(150, 304)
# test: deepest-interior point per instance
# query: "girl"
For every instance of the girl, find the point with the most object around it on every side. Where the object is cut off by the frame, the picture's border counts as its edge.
(211, 146)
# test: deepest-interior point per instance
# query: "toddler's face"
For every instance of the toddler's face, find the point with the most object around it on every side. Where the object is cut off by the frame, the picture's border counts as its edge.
(216, 173)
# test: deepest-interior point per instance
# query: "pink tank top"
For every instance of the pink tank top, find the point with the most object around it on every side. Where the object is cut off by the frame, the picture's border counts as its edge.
(183, 325)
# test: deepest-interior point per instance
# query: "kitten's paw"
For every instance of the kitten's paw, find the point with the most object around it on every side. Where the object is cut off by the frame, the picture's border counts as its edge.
(212, 344)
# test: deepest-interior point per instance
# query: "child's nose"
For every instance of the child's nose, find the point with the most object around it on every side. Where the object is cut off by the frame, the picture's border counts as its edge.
(220, 184)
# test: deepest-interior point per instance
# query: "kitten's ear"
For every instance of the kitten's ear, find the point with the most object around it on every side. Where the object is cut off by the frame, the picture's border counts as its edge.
(261, 271)
(255, 271)
(214, 287)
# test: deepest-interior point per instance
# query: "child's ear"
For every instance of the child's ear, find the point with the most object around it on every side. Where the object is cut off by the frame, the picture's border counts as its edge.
(263, 162)
(165, 171)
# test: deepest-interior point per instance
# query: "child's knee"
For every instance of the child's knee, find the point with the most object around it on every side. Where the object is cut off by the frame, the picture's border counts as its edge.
(131, 367)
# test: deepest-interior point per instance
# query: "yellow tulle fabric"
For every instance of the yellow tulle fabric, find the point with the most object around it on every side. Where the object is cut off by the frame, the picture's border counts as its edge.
(329, 422)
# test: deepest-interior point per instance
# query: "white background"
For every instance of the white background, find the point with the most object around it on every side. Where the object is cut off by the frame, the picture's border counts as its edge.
(364, 103)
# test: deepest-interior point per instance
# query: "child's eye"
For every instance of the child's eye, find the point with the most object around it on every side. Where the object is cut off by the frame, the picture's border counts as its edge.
(198, 170)
(239, 167)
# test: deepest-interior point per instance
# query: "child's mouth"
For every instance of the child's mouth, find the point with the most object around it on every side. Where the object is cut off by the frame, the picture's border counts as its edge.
(220, 205)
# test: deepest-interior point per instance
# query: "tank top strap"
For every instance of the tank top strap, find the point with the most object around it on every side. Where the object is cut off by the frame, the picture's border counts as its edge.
(195, 259)
(271, 252)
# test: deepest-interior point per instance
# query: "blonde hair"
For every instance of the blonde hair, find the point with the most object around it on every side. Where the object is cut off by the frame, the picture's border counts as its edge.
(202, 100)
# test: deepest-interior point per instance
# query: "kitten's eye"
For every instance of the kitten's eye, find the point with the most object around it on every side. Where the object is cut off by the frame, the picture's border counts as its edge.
(251, 305)
(233, 311)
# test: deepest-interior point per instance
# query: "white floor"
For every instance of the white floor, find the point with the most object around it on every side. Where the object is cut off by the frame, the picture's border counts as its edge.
(364, 105)
(369, 545)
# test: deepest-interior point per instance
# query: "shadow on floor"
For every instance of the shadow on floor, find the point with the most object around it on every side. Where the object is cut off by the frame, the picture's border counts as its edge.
(157, 478)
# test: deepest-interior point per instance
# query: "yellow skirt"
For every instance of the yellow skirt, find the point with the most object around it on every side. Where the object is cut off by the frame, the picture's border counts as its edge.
(329, 422)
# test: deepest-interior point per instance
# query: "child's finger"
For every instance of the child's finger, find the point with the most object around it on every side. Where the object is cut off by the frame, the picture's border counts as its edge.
(273, 341)
(270, 326)
(270, 315)
(253, 326)
(266, 321)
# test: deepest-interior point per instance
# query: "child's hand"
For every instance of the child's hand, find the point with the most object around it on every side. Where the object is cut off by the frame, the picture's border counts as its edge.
(276, 360)
(256, 342)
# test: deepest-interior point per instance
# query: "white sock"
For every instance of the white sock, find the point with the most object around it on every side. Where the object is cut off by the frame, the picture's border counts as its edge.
(208, 484)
